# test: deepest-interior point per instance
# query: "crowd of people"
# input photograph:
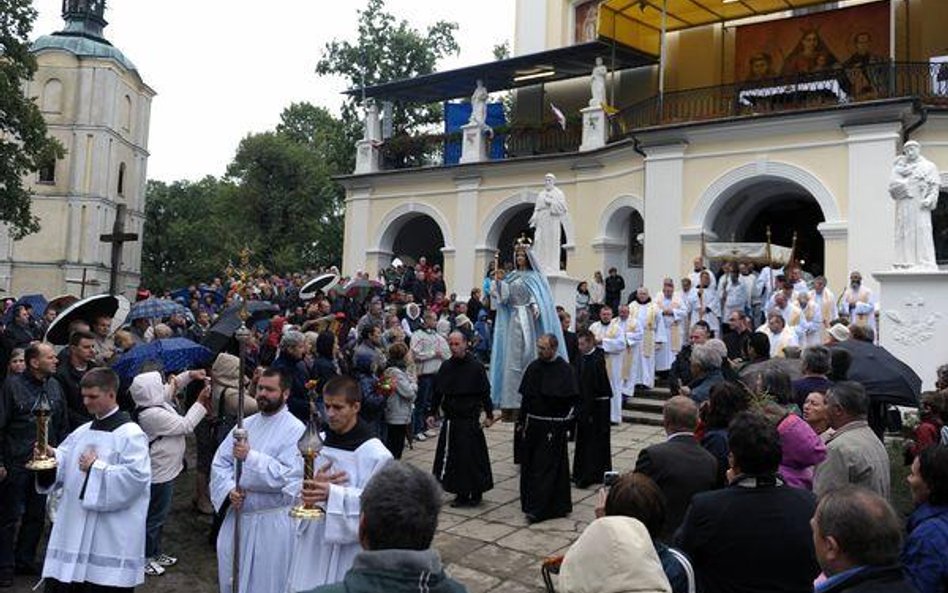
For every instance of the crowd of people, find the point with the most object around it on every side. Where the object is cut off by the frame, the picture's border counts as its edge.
(765, 434)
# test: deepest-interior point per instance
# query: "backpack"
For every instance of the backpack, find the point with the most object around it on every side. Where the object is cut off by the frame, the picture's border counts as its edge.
(136, 414)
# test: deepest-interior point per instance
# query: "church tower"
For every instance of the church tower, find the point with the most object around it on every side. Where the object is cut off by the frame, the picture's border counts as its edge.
(96, 104)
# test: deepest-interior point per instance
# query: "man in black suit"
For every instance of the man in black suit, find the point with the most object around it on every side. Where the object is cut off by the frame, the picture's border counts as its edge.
(754, 535)
(680, 466)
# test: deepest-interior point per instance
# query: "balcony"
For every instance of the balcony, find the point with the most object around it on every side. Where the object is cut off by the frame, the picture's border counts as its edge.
(823, 90)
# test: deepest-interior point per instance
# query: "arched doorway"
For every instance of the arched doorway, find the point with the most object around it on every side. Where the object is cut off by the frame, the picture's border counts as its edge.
(518, 224)
(780, 205)
(621, 243)
(418, 235)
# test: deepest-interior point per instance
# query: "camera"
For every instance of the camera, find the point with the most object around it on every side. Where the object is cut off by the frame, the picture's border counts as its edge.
(609, 478)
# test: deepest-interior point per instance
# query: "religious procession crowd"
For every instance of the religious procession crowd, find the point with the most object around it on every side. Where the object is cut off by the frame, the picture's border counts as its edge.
(767, 434)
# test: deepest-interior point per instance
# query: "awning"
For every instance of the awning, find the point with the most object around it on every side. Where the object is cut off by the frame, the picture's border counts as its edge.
(638, 23)
(516, 72)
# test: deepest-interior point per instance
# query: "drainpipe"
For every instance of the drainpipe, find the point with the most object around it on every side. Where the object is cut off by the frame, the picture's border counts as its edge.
(637, 147)
(922, 118)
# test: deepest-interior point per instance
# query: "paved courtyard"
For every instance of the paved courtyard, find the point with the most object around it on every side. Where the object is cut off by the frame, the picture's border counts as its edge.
(489, 548)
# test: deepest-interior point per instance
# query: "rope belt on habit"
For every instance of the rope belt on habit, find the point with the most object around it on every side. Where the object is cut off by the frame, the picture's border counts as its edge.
(601, 399)
(549, 418)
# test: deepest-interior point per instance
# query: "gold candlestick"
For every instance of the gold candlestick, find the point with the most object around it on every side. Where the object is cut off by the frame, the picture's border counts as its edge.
(309, 445)
(41, 411)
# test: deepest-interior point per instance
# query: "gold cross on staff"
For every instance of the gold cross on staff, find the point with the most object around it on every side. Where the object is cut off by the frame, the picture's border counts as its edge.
(243, 274)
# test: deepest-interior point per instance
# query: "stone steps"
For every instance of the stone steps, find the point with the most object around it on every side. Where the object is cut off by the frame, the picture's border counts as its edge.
(646, 407)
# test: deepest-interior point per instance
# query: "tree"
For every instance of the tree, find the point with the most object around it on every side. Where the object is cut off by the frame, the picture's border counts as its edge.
(387, 51)
(24, 145)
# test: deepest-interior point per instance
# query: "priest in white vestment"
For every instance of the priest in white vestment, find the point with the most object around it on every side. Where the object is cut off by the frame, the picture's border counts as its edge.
(690, 297)
(695, 274)
(674, 316)
(706, 306)
(617, 344)
(648, 317)
(766, 286)
(272, 474)
(805, 320)
(825, 302)
(324, 549)
(857, 303)
(779, 333)
(103, 468)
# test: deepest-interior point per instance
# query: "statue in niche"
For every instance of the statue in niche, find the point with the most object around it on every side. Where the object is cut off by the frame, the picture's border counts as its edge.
(914, 185)
(548, 213)
(598, 84)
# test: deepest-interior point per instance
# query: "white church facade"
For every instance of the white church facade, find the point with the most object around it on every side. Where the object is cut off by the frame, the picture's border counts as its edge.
(96, 104)
(694, 149)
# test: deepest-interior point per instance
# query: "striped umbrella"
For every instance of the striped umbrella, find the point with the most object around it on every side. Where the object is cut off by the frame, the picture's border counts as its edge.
(154, 309)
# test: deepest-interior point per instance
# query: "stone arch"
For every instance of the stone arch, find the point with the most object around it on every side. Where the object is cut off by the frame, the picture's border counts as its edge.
(493, 224)
(395, 219)
(52, 96)
(611, 220)
(613, 242)
(726, 186)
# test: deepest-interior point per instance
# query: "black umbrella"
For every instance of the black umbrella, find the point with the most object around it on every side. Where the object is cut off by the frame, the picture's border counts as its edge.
(88, 309)
(220, 336)
(886, 378)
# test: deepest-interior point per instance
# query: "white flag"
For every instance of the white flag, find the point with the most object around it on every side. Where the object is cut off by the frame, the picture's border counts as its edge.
(558, 115)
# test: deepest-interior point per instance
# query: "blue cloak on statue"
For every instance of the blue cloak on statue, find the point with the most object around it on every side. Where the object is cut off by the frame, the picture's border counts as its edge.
(516, 330)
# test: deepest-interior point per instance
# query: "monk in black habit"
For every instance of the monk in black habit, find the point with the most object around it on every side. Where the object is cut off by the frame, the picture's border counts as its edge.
(593, 455)
(549, 395)
(462, 391)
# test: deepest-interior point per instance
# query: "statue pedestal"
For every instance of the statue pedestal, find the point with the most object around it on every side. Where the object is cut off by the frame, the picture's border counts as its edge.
(913, 321)
(595, 128)
(473, 144)
(368, 157)
(563, 290)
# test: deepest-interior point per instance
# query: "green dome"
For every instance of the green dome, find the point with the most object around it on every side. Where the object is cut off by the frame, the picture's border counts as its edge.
(82, 47)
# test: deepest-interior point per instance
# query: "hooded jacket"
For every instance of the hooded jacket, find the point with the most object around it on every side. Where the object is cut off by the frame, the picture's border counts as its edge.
(165, 428)
(225, 373)
(395, 571)
(613, 555)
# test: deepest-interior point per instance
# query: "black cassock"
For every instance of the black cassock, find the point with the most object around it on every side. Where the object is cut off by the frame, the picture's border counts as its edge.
(549, 394)
(593, 454)
(462, 464)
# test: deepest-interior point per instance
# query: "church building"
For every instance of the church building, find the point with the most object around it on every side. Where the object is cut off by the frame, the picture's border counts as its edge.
(96, 104)
(720, 120)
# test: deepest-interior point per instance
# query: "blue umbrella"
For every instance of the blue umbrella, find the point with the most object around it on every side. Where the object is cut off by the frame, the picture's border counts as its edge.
(37, 302)
(167, 355)
(154, 309)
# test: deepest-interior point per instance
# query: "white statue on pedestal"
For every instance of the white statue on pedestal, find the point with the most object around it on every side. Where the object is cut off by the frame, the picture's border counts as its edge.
(479, 105)
(598, 84)
(914, 186)
(546, 221)
(373, 126)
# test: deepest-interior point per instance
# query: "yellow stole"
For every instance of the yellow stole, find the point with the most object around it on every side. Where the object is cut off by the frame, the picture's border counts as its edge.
(862, 297)
(676, 325)
(648, 340)
(612, 333)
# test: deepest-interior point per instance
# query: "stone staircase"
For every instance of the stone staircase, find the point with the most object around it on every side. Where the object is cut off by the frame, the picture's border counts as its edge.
(646, 406)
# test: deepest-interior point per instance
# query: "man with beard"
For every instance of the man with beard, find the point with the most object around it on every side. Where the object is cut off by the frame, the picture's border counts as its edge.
(549, 394)
(857, 303)
(647, 315)
(593, 454)
(620, 339)
(324, 550)
(462, 392)
(674, 316)
(271, 469)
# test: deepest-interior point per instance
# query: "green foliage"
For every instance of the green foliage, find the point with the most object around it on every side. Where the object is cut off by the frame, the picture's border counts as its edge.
(384, 51)
(24, 145)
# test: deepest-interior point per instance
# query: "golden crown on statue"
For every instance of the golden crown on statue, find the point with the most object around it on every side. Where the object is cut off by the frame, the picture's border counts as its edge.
(523, 243)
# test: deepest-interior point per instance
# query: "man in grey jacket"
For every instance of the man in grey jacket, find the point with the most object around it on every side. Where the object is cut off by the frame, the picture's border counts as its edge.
(854, 455)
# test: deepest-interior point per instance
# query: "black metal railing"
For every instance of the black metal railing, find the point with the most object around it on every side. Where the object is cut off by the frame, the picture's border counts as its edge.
(827, 88)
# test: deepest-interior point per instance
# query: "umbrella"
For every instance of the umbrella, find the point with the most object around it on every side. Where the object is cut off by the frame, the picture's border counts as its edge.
(167, 355)
(322, 283)
(62, 301)
(221, 333)
(36, 302)
(154, 309)
(885, 377)
(87, 309)
(359, 289)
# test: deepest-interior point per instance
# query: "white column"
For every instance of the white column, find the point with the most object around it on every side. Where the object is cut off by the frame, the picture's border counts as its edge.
(664, 170)
(355, 242)
(871, 216)
(465, 271)
(530, 34)
(473, 143)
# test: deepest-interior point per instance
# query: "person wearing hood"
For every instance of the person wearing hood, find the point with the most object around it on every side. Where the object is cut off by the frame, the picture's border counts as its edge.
(396, 554)
(614, 554)
(482, 337)
(549, 394)
(412, 321)
(166, 431)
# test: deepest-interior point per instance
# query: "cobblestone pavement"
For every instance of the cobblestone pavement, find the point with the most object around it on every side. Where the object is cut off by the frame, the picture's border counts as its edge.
(489, 548)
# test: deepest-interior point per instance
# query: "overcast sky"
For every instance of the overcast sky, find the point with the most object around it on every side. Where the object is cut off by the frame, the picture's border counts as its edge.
(226, 68)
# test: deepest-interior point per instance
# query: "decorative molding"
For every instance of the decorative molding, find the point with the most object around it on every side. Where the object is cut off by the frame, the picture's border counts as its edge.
(833, 230)
(665, 152)
(918, 326)
(731, 182)
(619, 204)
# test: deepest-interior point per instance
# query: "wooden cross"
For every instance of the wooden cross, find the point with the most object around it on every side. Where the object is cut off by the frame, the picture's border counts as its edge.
(117, 238)
(83, 282)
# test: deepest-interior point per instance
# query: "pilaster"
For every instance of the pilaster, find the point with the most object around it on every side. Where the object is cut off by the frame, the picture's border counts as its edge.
(664, 187)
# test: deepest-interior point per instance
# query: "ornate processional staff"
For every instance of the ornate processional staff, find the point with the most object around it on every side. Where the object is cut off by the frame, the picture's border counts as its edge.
(242, 276)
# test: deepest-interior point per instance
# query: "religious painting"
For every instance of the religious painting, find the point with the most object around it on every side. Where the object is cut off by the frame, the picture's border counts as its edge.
(852, 41)
(586, 19)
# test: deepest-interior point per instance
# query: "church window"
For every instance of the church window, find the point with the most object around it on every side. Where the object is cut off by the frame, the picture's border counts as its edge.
(47, 172)
(52, 96)
(121, 179)
(127, 113)
(636, 240)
